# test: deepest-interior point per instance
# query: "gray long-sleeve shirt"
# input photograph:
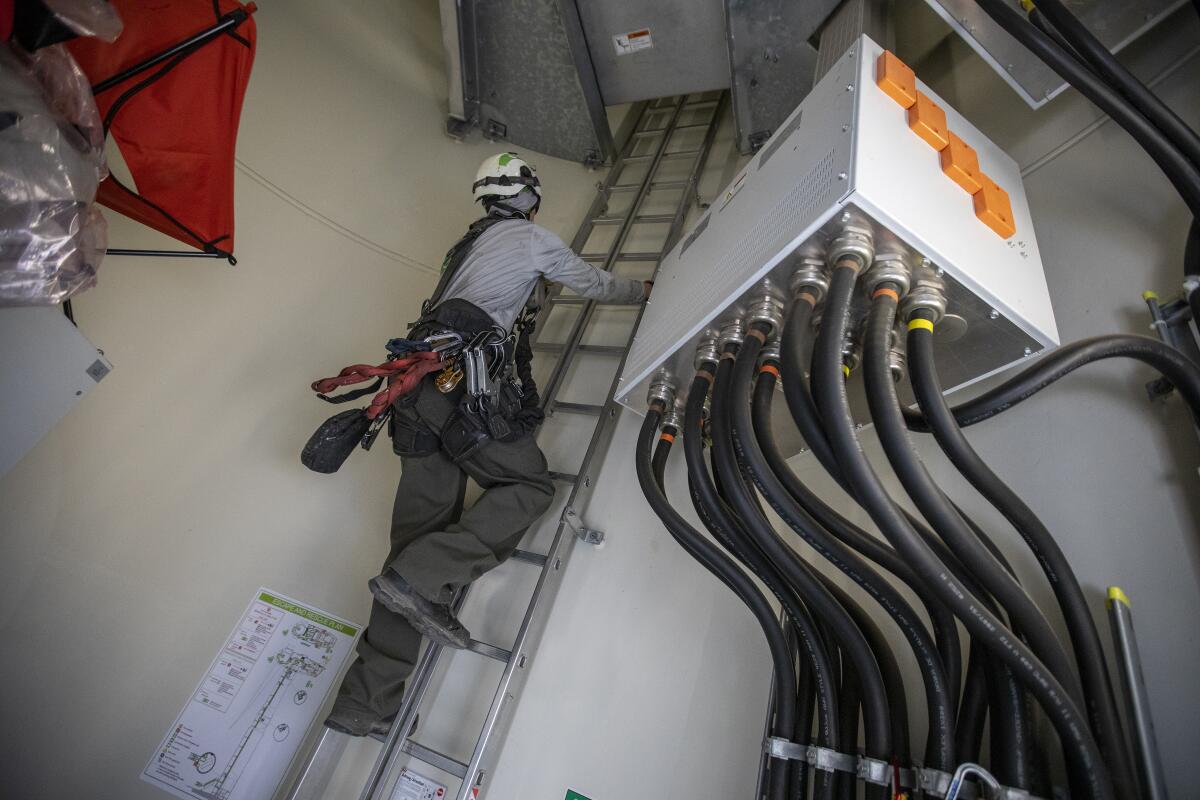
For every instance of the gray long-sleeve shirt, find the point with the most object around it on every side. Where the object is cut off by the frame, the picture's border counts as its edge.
(508, 259)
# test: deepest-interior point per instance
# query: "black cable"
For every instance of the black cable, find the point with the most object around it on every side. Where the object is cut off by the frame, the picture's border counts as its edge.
(888, 665)
(806, 417)
(944, 626)
(1056, 364)
(1085, 639)
(708, 505)
(732, 576)
(984, 626)
(973, 709)
(1179, 169)
(1023, 614)
(1097, 57)
(877, 729)
(939, 694)
(1011, 745)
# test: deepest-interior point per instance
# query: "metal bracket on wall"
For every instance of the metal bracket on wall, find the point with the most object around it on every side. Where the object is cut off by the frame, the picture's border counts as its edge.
(586, 534)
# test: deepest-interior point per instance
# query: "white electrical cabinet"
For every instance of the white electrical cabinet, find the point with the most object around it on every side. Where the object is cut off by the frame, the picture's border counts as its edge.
(848, 155)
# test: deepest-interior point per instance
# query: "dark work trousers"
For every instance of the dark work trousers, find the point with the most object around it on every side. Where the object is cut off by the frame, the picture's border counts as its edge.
(437, 546)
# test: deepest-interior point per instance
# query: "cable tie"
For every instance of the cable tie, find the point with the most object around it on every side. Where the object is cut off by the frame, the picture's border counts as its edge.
(925, 324)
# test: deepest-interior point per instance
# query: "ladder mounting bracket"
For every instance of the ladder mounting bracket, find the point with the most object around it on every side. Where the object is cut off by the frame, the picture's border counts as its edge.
(589, 535)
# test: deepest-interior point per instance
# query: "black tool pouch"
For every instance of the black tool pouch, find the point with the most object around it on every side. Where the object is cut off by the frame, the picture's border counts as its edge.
(331, 444)
(464, 434)
(411, 437)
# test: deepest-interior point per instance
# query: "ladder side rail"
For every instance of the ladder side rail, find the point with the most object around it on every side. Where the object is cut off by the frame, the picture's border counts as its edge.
(556, 376)
(537, 614)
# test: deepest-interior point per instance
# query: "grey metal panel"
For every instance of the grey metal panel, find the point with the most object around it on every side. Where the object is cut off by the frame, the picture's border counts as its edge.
(852, 19)
(1115, 23)
(771, 62)
(688, 53)
(532, 83)
(46, 366)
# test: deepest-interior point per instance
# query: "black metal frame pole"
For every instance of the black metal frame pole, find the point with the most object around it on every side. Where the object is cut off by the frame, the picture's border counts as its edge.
(227, 22)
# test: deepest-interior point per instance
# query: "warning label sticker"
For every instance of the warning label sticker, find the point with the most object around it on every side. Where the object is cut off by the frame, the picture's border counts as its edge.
(415, 786)
(631, 42)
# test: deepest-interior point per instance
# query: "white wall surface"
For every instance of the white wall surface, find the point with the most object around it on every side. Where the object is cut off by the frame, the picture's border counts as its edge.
(134, 534)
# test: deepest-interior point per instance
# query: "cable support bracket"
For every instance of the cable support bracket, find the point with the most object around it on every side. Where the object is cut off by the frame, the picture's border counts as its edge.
(930, 782)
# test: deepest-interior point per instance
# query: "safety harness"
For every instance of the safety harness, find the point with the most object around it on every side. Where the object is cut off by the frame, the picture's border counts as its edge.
(458, 340)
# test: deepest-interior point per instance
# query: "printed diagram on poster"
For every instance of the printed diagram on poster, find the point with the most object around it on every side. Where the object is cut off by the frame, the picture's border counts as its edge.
(415, 786)
(242, 726)
(626, 43)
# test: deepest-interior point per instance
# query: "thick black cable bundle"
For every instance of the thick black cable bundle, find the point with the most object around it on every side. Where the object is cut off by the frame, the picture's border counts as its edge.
(1086, 767)
(1085, 639)
(732, 576)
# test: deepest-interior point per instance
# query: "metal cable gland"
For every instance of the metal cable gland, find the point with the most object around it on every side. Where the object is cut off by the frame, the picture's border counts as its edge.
(896, 357)
(852, 241)
(928, 292)
(709, 348)
(662, 388)
(812, 272)
(731, 331)
(773, 349)
(888, 267)
(673, 418)
(766, 305)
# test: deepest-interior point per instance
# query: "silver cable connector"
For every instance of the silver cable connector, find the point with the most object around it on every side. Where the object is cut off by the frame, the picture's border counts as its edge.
(731, 331)
(673, 418)
(709, 348)
(853, 241)
(890, 267)
(773, 349)
(766, 305)
(662, 389)
(928, 292)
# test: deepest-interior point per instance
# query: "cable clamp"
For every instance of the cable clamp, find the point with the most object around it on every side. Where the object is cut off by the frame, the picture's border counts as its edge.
(821, 758)
(1190, 284)
(932, 781)
(873, 770)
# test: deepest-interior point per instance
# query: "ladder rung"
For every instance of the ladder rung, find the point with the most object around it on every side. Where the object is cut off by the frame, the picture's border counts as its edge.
(681, 154)
(699, 104)
(529, 557)
(640, 219)
(435, 759)
(566, 300)
(639, 256)
(697, 126)
(563, 477)
(648, 132)
(578, 408)
(489, 650)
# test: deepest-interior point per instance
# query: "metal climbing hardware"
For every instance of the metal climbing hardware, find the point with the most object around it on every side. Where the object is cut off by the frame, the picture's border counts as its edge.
(636, 217)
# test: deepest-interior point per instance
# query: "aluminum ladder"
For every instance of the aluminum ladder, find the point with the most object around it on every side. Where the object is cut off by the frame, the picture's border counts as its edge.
(636, 217)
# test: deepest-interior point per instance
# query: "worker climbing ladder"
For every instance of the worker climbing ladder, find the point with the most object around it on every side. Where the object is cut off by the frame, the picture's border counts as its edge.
(636, 217)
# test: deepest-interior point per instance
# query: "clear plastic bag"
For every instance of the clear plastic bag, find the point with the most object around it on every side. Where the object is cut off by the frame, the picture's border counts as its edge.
(88, 17)
(52, 236)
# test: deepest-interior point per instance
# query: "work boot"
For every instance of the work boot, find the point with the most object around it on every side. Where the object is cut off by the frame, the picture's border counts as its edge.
(432, 620)
(377, 730)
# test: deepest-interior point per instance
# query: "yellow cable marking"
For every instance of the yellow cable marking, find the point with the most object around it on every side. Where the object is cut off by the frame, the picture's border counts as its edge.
(1115, 595)
(1148, 295)
(846, 370)
(1028, 5)
(913, 324)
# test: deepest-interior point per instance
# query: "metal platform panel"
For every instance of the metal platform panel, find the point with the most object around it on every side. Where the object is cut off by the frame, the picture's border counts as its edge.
(642, 51)
(1115, 23)
(846, 154)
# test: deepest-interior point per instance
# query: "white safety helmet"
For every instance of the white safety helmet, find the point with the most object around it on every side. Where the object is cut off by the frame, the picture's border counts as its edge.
(505, 175)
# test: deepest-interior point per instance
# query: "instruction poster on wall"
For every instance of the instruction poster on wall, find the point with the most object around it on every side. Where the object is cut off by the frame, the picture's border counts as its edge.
(242, 726)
